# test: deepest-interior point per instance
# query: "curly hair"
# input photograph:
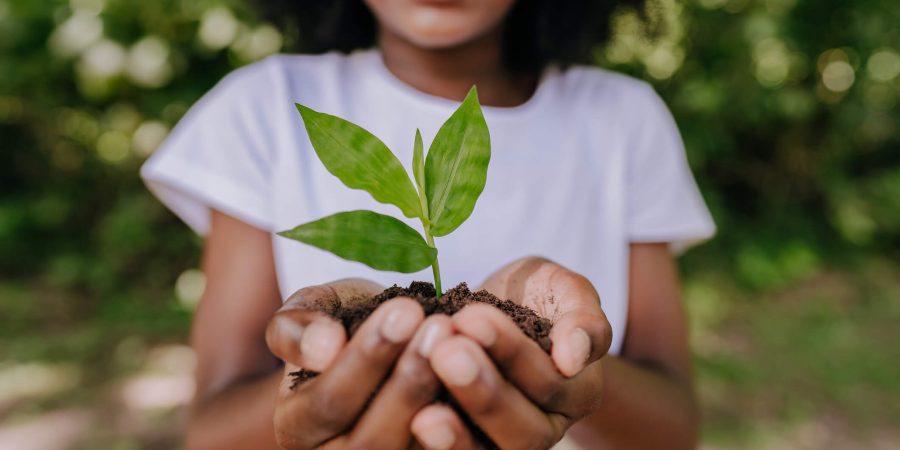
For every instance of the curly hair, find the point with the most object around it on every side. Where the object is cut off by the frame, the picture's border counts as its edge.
(537, 32)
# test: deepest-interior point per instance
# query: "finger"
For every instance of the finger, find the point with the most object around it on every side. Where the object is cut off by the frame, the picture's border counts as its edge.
(490, 401)
(411, 386)
(526, 365)
(304, 332)
(326, 405)
(307, 339)
(285, 333)
(438, 427)
(581, 334)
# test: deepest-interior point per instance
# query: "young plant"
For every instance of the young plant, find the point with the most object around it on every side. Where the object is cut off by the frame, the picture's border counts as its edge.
(448, 182)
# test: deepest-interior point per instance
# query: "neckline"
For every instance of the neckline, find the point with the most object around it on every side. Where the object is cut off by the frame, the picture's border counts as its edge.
(442, 105)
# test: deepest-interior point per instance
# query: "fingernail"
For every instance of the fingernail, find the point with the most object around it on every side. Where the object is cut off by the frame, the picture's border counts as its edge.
(290, 328)
(318, 345)
(399, 326)
(580, 345)
(438, 437)
(457, 368)
(430, 336)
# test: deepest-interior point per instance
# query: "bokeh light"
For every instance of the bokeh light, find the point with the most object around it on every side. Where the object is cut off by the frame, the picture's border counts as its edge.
(838, 76)
(148, 62)
(884, 65)
(189, 287)
(148, 136)
(258, 43)
(76, 33)
(653, 38)
(113, 146)
(218, 28)
(772, 61)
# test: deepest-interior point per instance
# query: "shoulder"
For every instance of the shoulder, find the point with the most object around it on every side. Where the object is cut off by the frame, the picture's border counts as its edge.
(619, 106)
(279, 74)
(288, 76)
(607, 90)
(261, 95)
(600, 78)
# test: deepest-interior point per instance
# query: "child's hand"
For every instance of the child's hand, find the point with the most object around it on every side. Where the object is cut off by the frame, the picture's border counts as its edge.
(526, 400)
(336, 409)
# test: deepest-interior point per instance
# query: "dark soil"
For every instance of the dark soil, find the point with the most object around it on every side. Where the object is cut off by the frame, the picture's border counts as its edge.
(533, 325)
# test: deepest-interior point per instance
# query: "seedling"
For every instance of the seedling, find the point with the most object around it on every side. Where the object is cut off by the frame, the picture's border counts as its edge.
(447, 183)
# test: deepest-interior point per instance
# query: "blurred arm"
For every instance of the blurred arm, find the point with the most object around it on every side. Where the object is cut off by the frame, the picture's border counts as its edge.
(237, 377)
(648, 399)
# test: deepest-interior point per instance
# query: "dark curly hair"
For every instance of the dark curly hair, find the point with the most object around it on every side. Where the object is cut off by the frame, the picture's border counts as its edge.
(537, 33)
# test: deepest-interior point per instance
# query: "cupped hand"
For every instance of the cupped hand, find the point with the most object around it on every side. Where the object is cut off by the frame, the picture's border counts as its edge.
(517, 394)
(340, 408)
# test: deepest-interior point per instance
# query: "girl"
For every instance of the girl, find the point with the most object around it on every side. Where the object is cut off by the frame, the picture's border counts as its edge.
(588, 170)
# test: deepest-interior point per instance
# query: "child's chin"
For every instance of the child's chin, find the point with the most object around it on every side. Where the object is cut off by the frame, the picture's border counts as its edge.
(434, 41)
(430, 29)
(440, 37)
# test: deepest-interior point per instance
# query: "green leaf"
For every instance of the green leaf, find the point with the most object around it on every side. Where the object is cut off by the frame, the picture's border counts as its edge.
(360, 160)
(418, 166)
(456, 166)
(418, 169)
(376, 240)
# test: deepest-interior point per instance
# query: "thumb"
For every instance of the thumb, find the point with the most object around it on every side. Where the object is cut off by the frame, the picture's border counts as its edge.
(303, 333)
(307, 339)
(579, 337)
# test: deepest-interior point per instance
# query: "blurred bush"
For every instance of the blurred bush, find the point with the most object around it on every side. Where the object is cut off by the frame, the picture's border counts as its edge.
(788, 109)
(88, 89)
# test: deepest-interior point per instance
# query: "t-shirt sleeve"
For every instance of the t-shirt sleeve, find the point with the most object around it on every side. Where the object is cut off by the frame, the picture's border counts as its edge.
(663, 201)
(219, 155)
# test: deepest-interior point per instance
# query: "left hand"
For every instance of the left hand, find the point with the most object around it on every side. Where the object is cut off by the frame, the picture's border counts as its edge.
(503, 380)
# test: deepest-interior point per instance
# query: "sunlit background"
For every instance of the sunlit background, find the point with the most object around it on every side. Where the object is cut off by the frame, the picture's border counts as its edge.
(789, 112)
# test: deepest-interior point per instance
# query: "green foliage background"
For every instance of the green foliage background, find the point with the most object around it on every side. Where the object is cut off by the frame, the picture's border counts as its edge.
(788, 109)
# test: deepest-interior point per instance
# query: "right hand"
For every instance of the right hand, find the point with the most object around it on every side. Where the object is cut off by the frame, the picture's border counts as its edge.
(337, 408)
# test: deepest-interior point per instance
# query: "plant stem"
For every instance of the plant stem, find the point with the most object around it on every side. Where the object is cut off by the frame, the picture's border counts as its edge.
(435, 267)
(426, 225)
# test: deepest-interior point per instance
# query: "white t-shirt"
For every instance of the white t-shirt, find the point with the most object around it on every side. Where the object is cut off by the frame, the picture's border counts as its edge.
(592, 162)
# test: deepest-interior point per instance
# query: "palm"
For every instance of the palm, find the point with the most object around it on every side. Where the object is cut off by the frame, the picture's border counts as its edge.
(543, 286)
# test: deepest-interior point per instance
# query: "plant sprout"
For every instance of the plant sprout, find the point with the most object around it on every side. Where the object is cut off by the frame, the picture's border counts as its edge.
(447, 183)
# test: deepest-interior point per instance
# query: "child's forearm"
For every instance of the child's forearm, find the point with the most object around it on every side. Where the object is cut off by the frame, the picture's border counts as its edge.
(642, 409)
(239, 417)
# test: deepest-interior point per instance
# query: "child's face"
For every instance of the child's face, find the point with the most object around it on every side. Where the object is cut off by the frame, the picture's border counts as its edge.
(438, 24)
